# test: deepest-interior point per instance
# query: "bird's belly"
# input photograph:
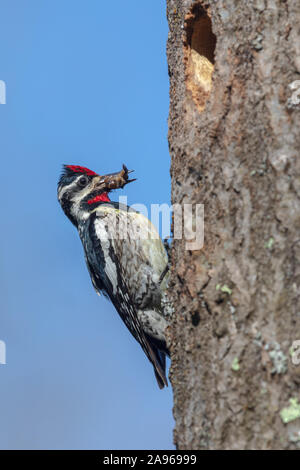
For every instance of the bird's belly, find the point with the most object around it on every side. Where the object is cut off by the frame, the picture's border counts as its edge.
(153, 323)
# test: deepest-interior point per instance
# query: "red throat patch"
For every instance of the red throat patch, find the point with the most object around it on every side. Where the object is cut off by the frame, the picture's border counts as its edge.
(101, 198)
(81, 169)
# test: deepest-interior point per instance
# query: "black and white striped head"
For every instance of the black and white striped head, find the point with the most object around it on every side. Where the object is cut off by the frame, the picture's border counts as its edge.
(80, 190)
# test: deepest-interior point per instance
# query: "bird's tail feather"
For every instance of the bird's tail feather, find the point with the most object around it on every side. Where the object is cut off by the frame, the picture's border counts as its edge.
(160, 367)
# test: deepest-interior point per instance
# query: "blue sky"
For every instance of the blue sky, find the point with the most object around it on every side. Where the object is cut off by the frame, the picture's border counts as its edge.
(86, 84)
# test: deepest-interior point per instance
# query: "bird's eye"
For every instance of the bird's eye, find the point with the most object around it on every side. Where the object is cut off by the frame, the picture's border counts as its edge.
(83, 181)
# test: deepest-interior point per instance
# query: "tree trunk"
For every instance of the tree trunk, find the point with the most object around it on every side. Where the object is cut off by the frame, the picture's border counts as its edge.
(234, 137)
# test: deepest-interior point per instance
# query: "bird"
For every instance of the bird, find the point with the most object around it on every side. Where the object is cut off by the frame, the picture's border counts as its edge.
(125, 256)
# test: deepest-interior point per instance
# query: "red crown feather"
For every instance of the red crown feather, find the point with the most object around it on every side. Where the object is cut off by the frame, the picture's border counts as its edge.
(80, 169)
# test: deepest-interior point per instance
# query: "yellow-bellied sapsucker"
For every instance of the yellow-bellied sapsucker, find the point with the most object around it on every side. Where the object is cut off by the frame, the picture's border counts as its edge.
(125, 256)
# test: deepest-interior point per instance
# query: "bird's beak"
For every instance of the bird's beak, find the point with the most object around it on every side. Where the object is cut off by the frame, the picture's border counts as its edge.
(115, 180)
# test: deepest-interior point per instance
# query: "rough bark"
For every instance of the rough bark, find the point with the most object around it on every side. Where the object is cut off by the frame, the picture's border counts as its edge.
(234, 143)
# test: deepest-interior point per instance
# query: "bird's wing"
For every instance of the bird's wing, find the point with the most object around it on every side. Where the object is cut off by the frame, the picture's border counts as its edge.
(105, 270)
